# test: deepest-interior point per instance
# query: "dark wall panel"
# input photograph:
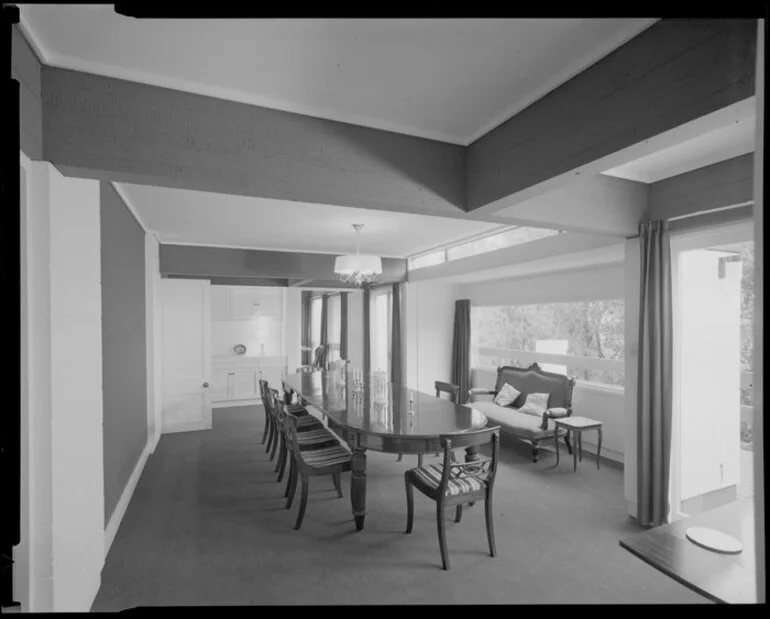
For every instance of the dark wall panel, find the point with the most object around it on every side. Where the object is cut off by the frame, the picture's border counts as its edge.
(124, 347)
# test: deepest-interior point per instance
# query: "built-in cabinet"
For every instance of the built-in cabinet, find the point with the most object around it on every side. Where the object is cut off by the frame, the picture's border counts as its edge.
(245, 302)
(236, 378)
(252, 316)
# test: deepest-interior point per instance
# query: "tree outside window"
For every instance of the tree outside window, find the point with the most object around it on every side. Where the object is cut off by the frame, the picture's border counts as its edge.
(588, 328)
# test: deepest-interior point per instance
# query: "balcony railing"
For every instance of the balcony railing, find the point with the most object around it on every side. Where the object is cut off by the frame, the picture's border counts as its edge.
(525, 356)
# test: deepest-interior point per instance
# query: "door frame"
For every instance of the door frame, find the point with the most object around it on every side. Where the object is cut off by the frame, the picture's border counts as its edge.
(205, 284)
(681, 241)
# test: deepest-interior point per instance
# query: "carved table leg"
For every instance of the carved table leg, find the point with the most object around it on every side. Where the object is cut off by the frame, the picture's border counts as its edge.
(556, 438)
(472, 455)
(576, 438)
(599, 448)
(358, 486)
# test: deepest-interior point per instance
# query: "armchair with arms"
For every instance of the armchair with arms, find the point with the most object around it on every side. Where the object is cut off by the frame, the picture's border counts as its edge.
(527, 426)
(319, 360)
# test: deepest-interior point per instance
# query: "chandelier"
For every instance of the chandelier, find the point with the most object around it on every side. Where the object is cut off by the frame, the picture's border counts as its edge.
(356, 268)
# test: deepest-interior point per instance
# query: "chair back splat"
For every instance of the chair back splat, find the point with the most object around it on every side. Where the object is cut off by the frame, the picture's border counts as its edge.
(455, 484)
(452, 390)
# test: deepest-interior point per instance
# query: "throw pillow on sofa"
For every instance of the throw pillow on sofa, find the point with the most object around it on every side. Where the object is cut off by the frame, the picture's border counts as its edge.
(536, 403)
(506, 395)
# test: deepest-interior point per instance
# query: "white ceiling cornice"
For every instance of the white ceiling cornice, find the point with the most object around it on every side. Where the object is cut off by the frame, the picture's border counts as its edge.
(75, 64)
(42, 53)
(134, 211)
(291, 250)
(89, 60)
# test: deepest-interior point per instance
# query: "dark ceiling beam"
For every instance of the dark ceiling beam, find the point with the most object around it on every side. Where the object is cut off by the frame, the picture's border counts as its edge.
(218, 262)
(634, 101)
(130, 132)
(670, 74)
(717, 186)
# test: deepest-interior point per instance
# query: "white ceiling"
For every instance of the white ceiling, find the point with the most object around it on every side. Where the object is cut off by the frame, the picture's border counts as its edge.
(222, 220)
(446, 79)
(706, 149)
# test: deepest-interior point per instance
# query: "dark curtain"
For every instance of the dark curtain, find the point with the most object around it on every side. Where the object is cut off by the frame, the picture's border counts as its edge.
(367, 334)
(307, 354)
(344, 325)
(396, 370)
(324, 319)
(461, 348)
(655, 388)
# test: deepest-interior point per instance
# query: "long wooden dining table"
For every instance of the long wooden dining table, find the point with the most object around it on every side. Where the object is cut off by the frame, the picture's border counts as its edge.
(387, 417)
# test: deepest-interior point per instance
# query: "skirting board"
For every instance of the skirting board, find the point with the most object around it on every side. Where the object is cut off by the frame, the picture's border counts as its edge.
(120, 509)
(230, 403)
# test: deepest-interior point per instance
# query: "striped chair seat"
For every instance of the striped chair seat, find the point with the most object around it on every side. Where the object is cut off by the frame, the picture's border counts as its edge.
(327, 456)
(308, 422)
(430, 476)
(312, 436)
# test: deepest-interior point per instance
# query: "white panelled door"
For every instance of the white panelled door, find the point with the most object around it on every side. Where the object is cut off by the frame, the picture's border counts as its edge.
(186, 355)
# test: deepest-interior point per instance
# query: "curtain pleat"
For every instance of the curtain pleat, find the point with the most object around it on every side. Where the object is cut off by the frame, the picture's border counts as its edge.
(461, 348)
(324, 328)
(654, 394)
(344, 325)
(396, 369)
(306, 352)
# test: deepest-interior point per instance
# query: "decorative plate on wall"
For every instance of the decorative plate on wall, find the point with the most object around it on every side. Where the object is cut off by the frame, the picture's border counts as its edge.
(239, 349)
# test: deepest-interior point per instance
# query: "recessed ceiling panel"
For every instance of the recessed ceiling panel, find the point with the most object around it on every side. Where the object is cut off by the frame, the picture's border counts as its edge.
(202, 218)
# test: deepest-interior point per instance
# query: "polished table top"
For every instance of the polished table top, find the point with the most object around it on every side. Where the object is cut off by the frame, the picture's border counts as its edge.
(384, 409)
(719, 577)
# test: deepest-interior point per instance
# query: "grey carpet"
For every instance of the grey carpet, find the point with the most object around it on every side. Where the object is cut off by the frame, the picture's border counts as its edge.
(207, 526)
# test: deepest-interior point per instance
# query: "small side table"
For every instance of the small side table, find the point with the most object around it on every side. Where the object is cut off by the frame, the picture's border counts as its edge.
(576, 425)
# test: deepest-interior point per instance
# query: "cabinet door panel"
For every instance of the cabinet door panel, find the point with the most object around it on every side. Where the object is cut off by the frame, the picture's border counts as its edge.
(244, 303)
(244, 384)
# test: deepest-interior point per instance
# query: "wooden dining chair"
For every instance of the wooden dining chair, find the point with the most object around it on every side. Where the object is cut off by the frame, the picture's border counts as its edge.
(311, 460)
(270, 430)
(454, 394)
(319, 360)
(310, 428)
(452, 484)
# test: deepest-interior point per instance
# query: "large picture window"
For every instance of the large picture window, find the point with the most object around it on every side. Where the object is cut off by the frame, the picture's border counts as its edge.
(582, 339)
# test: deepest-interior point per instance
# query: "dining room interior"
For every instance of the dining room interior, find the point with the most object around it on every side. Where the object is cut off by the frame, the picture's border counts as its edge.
(388, 311)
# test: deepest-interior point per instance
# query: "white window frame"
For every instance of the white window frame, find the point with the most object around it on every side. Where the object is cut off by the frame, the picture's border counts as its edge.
(373, 296)
(446, 249)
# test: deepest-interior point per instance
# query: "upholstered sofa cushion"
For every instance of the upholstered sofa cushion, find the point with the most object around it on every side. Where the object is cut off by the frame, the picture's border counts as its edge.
(507, 395)
(532, 381)
(535, 404)
(514, 421)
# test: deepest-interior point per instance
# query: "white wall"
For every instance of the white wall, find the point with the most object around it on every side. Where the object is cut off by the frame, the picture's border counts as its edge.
(34, 555)
(429, 323)
(153, 317)
(598, 282)
(64, 519)
(356, 328)
(631, 268)
(76, 392)
(293, 328)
